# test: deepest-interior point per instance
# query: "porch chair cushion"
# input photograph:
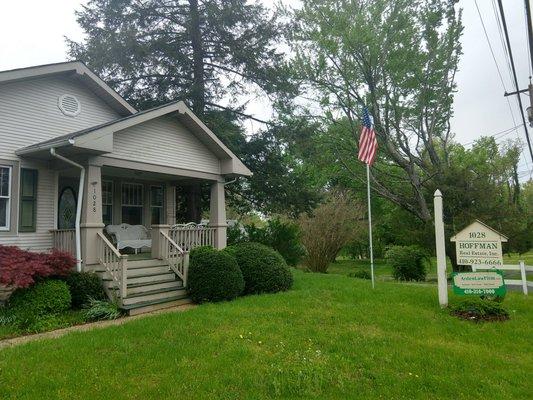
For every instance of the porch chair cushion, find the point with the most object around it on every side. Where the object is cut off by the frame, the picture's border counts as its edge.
(134, 236)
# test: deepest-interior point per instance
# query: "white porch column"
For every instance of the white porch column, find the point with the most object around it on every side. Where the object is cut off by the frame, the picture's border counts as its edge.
(217, 216)
(170, 204)
(91, 215)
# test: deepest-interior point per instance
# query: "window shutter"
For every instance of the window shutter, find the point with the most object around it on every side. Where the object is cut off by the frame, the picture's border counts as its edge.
(28, 200)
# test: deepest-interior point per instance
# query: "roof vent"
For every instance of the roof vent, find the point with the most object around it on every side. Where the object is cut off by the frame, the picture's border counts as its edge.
(69, 105)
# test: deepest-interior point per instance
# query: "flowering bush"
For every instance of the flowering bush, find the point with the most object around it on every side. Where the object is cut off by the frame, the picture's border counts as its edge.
(20, 268)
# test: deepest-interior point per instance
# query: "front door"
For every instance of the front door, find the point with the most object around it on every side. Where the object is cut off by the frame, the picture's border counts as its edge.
(66, 213)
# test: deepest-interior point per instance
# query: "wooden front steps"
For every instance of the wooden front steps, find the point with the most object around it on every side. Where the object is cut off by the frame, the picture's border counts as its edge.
(151, 285)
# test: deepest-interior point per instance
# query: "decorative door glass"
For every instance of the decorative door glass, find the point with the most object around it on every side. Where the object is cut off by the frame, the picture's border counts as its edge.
(67, 209)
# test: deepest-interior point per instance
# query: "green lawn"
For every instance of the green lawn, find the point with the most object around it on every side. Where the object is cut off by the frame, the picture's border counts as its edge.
(69, 318)
(331, 337)
(383, 271)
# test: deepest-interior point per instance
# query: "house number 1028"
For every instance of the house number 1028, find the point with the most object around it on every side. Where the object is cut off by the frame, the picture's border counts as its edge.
(94, 199)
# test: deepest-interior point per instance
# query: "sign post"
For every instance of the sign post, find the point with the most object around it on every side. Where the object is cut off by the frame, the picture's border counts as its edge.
(441, 250)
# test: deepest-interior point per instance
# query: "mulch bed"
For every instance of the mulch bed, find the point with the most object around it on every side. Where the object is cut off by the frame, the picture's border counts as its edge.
(476, 317)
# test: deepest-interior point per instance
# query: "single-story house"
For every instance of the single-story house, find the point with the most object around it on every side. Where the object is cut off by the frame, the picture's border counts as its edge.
(76, 158)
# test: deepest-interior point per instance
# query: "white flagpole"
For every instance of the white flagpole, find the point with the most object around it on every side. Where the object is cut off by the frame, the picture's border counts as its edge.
(370, 225)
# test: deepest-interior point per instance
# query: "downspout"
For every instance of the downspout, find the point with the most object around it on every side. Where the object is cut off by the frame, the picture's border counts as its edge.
(78, 204)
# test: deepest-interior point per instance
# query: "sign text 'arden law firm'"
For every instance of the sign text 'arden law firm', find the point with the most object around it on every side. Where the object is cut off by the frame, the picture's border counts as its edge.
(479, 283)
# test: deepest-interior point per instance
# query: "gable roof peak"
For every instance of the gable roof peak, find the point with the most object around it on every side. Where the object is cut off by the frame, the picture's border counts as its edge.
(85, 75)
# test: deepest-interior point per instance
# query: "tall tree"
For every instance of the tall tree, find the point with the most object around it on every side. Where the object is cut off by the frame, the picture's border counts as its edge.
(200, 51)
(399, 58)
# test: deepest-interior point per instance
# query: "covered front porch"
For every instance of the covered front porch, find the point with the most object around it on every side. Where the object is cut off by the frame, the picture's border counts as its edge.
(123, 195)
(114, 195)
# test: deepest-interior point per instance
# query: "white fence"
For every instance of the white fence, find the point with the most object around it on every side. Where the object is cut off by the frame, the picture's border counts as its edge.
(522, 267)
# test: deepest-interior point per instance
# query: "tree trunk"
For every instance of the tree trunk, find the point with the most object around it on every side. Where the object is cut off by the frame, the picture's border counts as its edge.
(198, 87)
(194, 204)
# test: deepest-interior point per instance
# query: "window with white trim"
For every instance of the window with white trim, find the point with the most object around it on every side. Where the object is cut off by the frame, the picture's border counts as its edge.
(156, 204)
(107, 202)
(132, 203)
(5, 197)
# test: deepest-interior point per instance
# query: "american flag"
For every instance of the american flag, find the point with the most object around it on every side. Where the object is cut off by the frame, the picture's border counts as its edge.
(368, 144)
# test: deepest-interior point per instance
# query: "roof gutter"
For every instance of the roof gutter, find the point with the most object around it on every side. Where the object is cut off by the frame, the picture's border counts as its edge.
(44, 146)
(78, 203)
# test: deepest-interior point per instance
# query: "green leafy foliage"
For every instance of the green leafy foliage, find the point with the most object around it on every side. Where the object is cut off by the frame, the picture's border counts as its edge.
(282, 236)
(101, 310)
(213, 276)
(84, 286)
(263, 268)
(478, 309)
(49, 297)
(398, 58)
(408, 262)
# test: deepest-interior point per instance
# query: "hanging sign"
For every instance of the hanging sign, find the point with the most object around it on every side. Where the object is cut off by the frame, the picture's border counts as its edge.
(489, 283)
(479, 244)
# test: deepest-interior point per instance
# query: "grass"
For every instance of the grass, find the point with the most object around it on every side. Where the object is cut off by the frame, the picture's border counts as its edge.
(69, 318)
(331, 337)
(383, 271)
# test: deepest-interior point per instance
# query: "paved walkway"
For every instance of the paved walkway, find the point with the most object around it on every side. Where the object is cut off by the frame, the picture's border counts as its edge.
(87, 327)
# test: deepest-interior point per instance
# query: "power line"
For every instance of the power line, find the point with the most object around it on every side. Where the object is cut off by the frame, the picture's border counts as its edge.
(502, 40)
(497, 135)
(529, 30)
(498, 68)
(504, 23)
(490, 46)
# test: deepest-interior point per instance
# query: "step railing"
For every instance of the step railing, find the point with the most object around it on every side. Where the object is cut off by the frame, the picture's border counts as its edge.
(175, 256)
(64, 240)
(115, 264)
(189, 237)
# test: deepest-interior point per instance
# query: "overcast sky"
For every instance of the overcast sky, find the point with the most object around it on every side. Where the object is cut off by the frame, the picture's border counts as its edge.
(32, 32)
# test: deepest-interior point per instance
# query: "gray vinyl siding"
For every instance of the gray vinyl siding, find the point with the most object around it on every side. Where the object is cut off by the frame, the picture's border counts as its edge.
(29, 113)
(41, 239)
(164, 141)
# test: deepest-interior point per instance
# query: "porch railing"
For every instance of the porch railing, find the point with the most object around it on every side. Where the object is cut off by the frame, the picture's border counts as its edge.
(64, 240)
(116, 264)
(175, 256)
(194, 236)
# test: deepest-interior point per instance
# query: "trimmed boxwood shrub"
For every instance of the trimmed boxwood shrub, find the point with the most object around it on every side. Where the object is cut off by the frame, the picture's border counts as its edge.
(408, 263)
(213, 276)
(48, 297)
(263, 268)
(84, 286)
